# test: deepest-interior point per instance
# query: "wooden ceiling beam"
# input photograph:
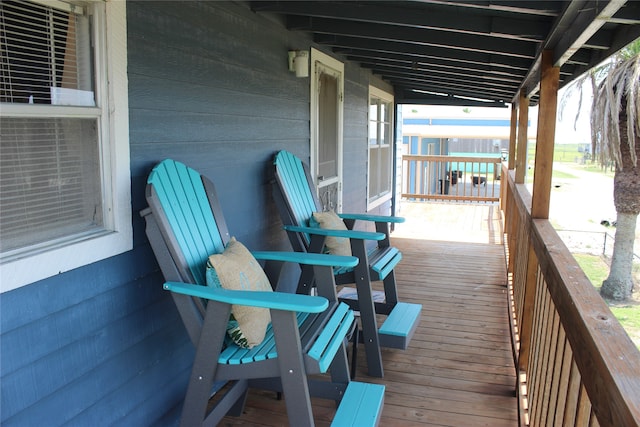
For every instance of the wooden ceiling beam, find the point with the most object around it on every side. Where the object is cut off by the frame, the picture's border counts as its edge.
(418, 36)
(411, 49)
(416, 15)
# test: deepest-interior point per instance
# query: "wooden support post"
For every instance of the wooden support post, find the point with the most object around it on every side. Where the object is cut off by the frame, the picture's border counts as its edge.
(549, 82)
(523, 125)
(512, 136)
(511, 161)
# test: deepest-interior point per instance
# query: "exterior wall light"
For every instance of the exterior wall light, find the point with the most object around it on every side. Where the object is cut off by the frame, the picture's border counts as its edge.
(299, 62)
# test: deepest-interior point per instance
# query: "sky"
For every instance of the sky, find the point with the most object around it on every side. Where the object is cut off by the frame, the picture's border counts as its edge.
(568, 131)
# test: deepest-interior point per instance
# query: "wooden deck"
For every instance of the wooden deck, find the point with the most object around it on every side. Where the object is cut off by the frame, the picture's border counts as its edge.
(458, 369)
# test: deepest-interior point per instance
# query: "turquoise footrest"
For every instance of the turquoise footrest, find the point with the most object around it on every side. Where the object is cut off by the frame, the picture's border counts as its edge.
(361, 405)
(400, 325)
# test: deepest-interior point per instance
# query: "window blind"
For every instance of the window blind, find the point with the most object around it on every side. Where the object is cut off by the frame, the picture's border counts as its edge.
(49, 180)
(46, 55)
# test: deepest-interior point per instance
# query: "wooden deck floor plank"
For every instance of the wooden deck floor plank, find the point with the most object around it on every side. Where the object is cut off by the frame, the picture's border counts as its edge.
(398, 416)
(440, 359)
(455, 397)
(469, 294)
(459, 348)
(464, 316)
(471, 340)
(485, 307)
(479, 332)
(456, 360)
(437, 293)
(438, 403)
(412, 286)
(451, 379)
(470, 378)
(437, 320)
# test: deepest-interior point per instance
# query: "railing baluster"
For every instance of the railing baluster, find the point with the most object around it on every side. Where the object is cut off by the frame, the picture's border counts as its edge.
(573, 395)
(563, 380)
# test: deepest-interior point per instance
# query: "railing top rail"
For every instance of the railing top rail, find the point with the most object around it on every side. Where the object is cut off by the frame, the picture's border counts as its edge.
(440, 158)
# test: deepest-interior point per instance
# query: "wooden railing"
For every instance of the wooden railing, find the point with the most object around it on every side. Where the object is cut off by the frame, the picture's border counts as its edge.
(576, 364)
(451, 178)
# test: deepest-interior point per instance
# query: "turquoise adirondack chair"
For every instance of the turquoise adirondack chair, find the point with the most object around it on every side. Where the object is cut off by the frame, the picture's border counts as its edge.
(297, 200)
(307, 334)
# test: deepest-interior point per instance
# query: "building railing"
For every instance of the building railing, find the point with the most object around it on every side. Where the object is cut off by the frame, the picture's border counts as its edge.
(459, 178)
(576, 364)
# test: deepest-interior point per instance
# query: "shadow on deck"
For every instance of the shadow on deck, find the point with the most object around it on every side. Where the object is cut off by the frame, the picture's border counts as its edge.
(458, 369)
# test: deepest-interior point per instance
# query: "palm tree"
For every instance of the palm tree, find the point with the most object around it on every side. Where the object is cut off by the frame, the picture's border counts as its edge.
(615, 136)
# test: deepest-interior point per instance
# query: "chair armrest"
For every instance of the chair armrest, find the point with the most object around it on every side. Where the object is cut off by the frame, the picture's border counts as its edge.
(374, 218)
(308, 258)
(349, 234)
(271, 300)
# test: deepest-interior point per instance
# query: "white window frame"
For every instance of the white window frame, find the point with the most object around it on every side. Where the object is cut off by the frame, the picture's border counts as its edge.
(383, 95)
(26, 266)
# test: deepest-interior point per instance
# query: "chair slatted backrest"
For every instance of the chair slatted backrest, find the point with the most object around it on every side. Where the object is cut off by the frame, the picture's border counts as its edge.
(298, 191)
(183, 199)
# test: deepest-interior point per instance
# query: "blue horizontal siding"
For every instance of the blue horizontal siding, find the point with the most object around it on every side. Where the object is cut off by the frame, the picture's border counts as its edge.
(75, 360)
(35, 340)
(25, 306)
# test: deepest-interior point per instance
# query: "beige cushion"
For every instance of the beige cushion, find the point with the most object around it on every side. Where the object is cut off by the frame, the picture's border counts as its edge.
(330, 221)
(237, 269)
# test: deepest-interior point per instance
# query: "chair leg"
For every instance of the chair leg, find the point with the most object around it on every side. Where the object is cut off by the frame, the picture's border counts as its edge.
(355, 340)
(292, 373)
(204, 364)
(390, 288)
(367, 311)
(238, 407)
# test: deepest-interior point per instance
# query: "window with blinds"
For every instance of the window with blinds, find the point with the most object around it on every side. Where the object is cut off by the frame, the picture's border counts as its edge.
(50, 182)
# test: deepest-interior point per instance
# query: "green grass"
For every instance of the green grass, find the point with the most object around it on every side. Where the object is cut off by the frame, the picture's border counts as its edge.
(594, 267)
(567, 153)
(629, 317)
(627, 314)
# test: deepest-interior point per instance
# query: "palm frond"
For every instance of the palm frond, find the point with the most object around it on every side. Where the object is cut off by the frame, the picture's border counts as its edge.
(612, 82)
(622, 82)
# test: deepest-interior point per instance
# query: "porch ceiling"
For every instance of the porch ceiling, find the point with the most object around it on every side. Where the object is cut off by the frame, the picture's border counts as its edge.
(453, 52)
